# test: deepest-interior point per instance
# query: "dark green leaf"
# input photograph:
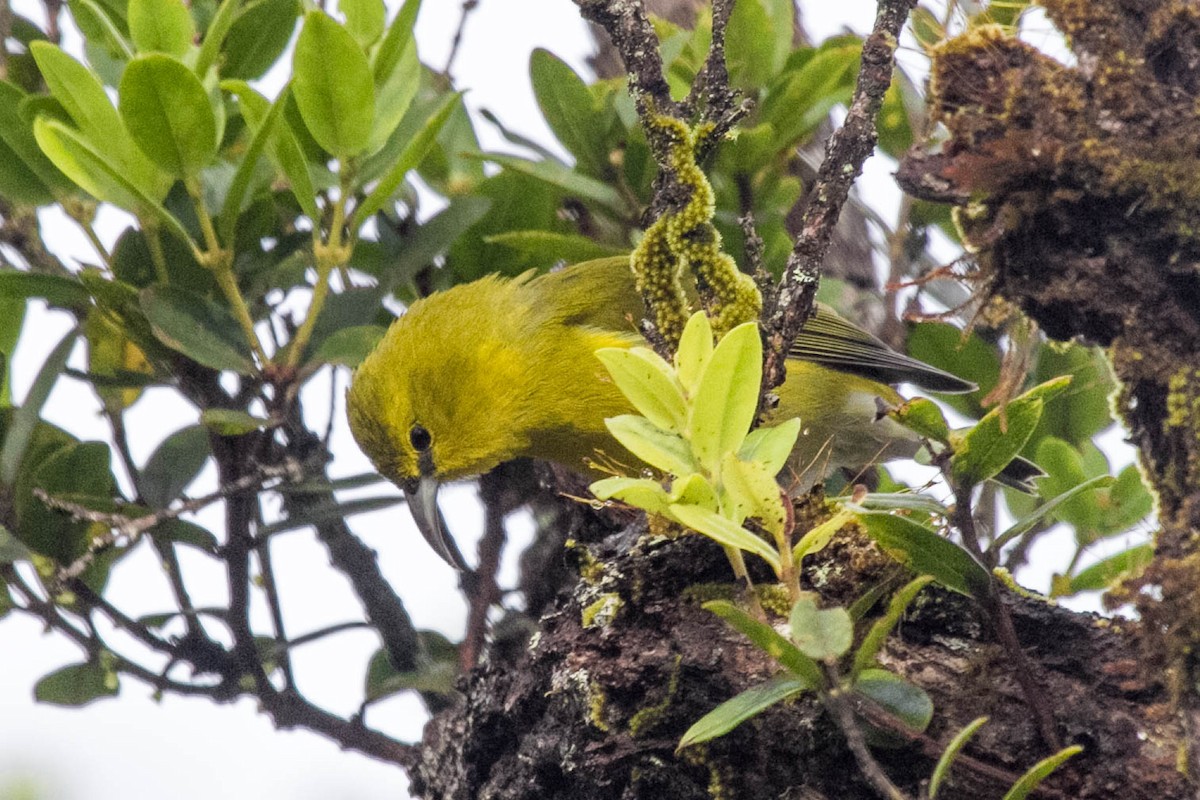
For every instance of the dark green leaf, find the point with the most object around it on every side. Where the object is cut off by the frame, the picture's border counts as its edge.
(285, 150)
(864, 657)
(180, 531)
(923, 416)
(333, 86)
(422, 244)
(412, 155)
(436, 672)
(263, 132)
(167, 111)
(258, 37)
(757, 41)
(56, 290)
(82, 473)
(163, 26)
(101, 31)
(26, 175)
(905, 701)
(569, 109)
(736, 710)
(193, 325)
(173, 465)
(988, 447)
(564, 178)
(927, 553)
(1107, 571)
(770, 641)
(1027, 522)
(801, 99)
(25, 419)
(231, 422)
(77, 685)
(350, 346)
(214, 35)
(969, 357)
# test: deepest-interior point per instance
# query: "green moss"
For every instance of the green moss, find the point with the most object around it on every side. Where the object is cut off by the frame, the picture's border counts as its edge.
(773, 596)
(1005, 577)
(597, 707)
(601, 612)
(649, 717)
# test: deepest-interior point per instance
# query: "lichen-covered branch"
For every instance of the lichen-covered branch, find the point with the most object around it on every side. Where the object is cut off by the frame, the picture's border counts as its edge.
(848, 149)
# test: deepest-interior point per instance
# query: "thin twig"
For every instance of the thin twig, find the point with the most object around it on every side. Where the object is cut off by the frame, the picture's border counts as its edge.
(467, 7)
(839, 707)
(484, 591)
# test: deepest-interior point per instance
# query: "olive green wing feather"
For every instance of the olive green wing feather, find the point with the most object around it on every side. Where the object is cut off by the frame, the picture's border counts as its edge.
(831, 341)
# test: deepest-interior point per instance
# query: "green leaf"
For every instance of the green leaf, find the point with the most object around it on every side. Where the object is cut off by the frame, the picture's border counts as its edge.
(364, 19)
(167, 111)
(562, 177)
(396, 42)
(1027, 522)
(26, 175)
(283, 148)
(333, 86)
(80, 93)
(1039, 772)
(550, 247)
(821, 634)
(262, 132)
(921, 503)
(641, 493)
(77, 685)
(753, 492)
(801, 98)
(818, 537)
(771, 642)
(100, 29)
(163, 26)
(436, 671)
(1128, 501)
(648, 383)
(771, 446)
(214, 35)
(988, 447)
(231, 422)
(723, 531)
(56, 290)
(905, 701)
(967, 356)
(927, 553)
(946, 760)
(923, 416)
(80, 472)
(81, 161)
(736, 710)
(694, 490)
(187, 533)
(25, 419)
(396, 87)
(658, 448)
(872, 643)
(757, 40)
(416, 150)
(199, 328)
(726, 398)
(173, 465)
(257, 37)
(349, 346)
(569, 109)
(695, 350)
(1107, 571)
(1084, 410)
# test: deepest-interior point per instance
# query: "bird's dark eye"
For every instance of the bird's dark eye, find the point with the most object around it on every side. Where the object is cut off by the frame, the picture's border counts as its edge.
(419, 438)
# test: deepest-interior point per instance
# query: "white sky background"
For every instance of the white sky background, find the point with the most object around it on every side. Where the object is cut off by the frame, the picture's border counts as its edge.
(188, 749)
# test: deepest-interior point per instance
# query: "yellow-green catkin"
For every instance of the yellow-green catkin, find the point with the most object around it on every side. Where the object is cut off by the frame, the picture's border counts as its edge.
(686, 239)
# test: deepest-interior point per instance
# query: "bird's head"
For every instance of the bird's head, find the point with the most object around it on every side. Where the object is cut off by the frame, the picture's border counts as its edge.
(441, 398)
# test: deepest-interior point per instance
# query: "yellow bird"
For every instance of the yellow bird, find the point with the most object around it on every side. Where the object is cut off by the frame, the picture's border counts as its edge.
(503, 368)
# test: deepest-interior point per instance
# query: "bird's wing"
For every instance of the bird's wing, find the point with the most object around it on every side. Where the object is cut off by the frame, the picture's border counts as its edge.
(831, 341)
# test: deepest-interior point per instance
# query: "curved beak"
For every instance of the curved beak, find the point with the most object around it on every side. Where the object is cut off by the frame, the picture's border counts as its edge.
(422, 503)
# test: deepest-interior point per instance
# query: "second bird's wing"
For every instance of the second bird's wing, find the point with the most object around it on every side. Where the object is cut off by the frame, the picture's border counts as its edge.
(831, 341)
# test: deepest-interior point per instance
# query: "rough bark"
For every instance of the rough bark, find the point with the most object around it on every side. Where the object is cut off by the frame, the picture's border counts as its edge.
(627, 660)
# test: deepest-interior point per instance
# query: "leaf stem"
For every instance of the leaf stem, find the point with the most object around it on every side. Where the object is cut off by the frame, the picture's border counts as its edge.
(329, 254)
(219, 261)
(157, 257)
